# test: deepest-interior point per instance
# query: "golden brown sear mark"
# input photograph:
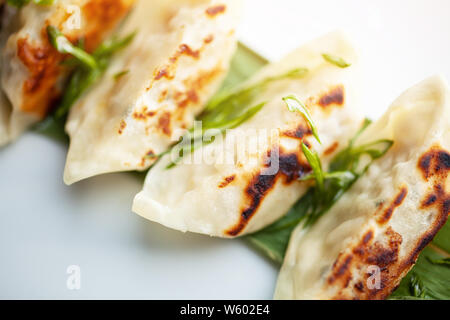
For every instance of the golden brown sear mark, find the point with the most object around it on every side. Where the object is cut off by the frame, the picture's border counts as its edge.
(227, 181)
(163, 95)
(168, 71)
(429, 200)
(194, 87)
(398, 200)
(148, 158)
(291, 167)
(298, 133)
(435, 166)
(434, 163)
(150, 154)
(341, 267)
(102, 15)
(331, 149)
(184, 49)
(215, 10)
(384, 255)
(204, 77)
(164, 123)
(144, 114)
(359, 286)
(256, 191)
(208, 39)
(190, 96)
(163, 73)
(333, 97)
(367, 237)
(122, 126)
(43, 65)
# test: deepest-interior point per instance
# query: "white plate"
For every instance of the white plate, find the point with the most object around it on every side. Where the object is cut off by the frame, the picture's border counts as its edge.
(45, 227)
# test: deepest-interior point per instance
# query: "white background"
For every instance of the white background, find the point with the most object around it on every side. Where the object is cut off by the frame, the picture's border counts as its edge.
(46, 226)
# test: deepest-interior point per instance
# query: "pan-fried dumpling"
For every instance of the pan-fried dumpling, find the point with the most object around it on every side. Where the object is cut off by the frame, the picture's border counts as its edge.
(176, 61)
(378, 228)
(31, 72)
(235, 190)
